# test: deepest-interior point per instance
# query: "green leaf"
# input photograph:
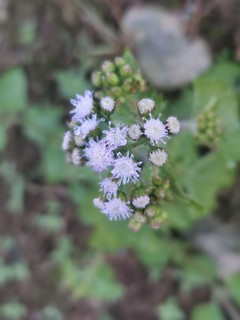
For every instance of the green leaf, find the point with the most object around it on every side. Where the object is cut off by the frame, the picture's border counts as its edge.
(227, 72)
(13, 311)
(95, 281)
(71, 82)
(233, 285)
(13, 91)
(170, 310)
(207, 311)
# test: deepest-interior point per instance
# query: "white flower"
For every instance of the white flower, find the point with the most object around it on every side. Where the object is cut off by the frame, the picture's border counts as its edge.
(78, 139)
(155, 130)
(98, 203)
(83, 106)
(134, 131)
(125, 169)
(87, 125)
(107, 104)
(158, 157)
(76, 156)
(99, 156)
(141, 202)
(109, 187)
(173, 125)
(67, 141)
(116, 209)
(116, 137)
(145, 105)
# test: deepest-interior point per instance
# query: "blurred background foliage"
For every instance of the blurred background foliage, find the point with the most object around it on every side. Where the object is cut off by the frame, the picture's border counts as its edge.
(60, 258)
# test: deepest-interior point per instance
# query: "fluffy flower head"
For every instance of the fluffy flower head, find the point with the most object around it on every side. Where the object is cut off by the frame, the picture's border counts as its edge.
(99, 156)
(87, 125)
(173, 125)
(134, 131)
(76, 156)
(67, 140)
(141, 202)
(83, 106)
(158, 157)
(155, 130)
(116, 209)
(109, 187)
(98, 203)
(116, 137)
(145, 105)
(125, 169)
(107, 104)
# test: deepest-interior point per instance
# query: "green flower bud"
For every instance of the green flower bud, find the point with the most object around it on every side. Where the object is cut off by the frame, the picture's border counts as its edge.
(159, 219)
(134, 225)
(116, 92)
(112, 79)
(97, 79)
(157, 180)
(151, 210)
(119, 62)
(136, 221)
(126, 71)
(108, 66)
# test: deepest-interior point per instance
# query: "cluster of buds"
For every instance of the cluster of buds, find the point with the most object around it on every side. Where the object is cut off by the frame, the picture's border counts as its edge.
(209, 129)
(112, 151)
(118, 78)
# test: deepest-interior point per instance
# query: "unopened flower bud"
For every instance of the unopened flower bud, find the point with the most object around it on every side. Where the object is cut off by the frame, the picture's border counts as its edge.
(141, 202)
(112, 79)
(173, 125)
(79, 141)
(125, 71)
(136, 221)
(159, 219)
(76, 156)
(145, 105)
(134, 132)
(107, 104)
(108, 66)
(97, 79)
(67, 141)
(150, 211)
(158, 157)
(119, 61)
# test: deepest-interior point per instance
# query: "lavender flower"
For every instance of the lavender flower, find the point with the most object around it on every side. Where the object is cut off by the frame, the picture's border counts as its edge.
(99, 156)
(83, 106)
(155, 130)
(125, 169)
(116, 137)
(87, 125)
(116, 209)
(109, 187)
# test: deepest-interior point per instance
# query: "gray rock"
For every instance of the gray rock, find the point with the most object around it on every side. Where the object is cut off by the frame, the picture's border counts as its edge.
(166, 56)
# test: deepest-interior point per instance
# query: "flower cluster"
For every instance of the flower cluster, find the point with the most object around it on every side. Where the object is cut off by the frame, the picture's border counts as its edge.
(109, 148)
(117, 78)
